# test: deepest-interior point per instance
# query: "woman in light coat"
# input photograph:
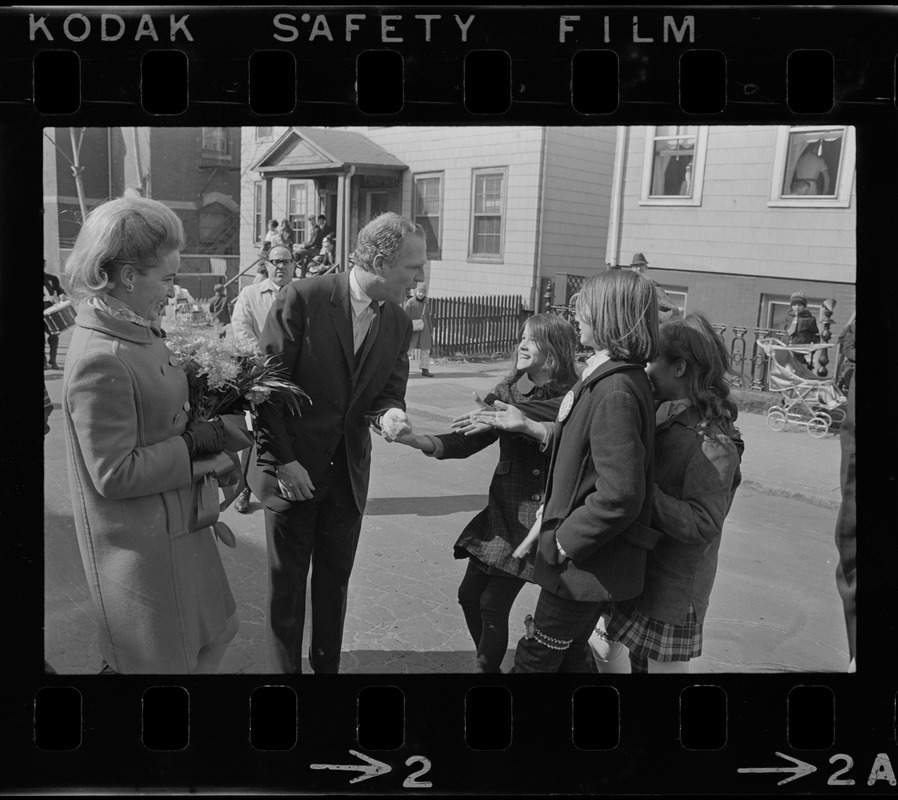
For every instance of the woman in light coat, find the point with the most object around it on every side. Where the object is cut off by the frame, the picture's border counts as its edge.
(161, 597)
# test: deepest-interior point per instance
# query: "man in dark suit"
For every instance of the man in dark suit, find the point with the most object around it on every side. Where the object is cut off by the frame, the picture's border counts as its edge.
(344, 339)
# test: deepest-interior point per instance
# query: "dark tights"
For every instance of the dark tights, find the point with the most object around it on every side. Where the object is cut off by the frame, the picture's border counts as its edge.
(486, 601)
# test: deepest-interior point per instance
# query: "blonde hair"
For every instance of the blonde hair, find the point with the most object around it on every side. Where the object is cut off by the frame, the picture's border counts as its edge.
(132, 231)
(621, 309)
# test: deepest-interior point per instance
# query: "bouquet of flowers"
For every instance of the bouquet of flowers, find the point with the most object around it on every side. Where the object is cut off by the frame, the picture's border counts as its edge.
(227, 376)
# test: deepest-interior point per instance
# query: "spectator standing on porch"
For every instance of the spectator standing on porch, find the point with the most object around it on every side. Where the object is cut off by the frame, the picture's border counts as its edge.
(273, 237)
(312, 245)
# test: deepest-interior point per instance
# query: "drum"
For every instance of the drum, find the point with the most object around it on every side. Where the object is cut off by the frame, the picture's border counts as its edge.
(59, 317)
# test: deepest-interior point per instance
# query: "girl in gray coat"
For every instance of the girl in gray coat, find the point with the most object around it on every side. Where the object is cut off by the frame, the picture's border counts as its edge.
(697, 457)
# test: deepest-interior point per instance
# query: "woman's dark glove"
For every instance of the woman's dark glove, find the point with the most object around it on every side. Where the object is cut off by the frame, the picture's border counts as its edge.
(204, 438)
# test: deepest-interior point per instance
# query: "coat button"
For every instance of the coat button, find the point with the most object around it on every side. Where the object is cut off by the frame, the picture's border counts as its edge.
(536, 472)
(187, 405)
(534, 497)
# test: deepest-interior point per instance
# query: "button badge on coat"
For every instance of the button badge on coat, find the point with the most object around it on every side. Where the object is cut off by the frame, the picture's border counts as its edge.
(566, 405)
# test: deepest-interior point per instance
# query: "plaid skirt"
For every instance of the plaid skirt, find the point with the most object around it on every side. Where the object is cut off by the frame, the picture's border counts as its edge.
(647, 637)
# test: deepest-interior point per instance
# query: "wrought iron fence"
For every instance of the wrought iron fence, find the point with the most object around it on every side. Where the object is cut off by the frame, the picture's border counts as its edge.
(474, 325)
(748, 361)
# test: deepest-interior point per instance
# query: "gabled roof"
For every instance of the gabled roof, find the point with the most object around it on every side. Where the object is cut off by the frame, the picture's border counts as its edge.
(309, 149)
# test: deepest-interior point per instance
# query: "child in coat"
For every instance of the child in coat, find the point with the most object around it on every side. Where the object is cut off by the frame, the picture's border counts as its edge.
(593, 533)
(543, 368)
(697, 456)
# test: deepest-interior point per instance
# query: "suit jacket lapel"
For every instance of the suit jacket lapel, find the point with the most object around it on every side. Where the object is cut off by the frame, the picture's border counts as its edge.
(341, 316)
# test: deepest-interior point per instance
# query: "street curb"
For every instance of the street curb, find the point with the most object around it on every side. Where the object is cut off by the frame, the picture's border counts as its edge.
(776, 491)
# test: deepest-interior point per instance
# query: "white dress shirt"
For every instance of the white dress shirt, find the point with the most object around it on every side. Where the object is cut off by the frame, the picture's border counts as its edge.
(362, 313)
(251, 309)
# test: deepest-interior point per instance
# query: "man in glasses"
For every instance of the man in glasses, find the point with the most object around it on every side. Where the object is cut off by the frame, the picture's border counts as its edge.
(251, 310)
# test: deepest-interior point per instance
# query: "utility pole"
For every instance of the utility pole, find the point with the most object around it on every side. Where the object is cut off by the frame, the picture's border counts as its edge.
(77, 170)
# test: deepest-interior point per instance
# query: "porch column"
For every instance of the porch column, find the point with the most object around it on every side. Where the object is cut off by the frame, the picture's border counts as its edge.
(267, 205)
(344, 217)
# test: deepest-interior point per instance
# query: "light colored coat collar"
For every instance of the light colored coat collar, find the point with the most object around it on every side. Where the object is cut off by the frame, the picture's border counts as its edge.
(94, 317)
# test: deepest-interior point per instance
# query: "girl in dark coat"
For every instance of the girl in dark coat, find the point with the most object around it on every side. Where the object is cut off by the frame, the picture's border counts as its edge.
(593, 533)
(697, 457)
(543, 368)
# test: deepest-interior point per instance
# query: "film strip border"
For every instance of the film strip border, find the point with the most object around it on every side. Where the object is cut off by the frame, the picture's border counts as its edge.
(616, 65)
(488, 64)
(469, 736)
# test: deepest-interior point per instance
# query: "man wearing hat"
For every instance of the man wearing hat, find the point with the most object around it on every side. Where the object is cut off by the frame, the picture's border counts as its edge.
(801, 327)
(667, 309)
(639, 263)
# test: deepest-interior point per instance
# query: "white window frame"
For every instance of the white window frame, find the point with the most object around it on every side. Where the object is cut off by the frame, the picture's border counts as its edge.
(438, 255)
(842, 196)
(675, 292)
(258, 211)
(698, 171)
(298, 219)
(264, 137)
(488, 258)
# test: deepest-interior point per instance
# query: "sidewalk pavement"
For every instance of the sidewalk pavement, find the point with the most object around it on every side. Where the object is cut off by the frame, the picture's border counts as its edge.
(790, 464)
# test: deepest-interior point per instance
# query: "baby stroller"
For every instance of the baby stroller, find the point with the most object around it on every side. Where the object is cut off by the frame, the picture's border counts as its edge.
(806, 398)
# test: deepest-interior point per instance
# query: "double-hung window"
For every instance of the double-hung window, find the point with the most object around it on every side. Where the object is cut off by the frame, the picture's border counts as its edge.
(429, 210)
(215, 140)
(258, 198)
(297, 208)
(488, 214)
(674, 165)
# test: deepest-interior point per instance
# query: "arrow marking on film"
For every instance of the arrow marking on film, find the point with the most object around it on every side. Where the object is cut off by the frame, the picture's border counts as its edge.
(800, 768)
(376, 768)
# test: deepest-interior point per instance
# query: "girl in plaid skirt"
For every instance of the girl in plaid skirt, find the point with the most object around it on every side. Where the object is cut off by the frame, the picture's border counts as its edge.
(543, 368)
(697, 456)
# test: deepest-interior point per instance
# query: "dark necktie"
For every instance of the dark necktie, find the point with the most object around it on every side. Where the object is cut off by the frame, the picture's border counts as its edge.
(370, 336)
